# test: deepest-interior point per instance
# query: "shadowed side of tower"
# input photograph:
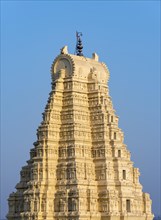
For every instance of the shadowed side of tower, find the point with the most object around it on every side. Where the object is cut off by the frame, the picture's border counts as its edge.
(79, 167)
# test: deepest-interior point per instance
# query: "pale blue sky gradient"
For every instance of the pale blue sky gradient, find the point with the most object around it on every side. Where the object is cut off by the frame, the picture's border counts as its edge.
(125, 34)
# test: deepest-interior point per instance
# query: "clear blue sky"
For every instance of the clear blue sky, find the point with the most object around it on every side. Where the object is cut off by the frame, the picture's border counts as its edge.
(126, 36)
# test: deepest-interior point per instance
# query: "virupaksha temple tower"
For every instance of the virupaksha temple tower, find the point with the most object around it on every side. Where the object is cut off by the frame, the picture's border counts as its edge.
(79, 167)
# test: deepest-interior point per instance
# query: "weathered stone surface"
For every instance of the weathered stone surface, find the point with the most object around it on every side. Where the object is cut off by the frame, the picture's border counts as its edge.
(79, 167)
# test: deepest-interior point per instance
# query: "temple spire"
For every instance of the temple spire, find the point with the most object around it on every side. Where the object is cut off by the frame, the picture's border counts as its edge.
(79, 46)
(79, 167)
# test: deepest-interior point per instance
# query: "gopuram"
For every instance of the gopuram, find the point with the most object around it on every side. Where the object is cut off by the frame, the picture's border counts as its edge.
(79, 167)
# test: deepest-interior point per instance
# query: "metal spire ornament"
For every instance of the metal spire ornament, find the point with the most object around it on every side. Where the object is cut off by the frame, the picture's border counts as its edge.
(79, 45)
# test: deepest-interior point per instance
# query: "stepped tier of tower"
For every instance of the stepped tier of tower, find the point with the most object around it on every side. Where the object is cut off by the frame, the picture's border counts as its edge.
(79, 167)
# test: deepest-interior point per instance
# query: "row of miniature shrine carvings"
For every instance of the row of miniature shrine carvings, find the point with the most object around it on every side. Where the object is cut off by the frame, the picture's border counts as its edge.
(83, 171)
(72, 204)
(81, 151)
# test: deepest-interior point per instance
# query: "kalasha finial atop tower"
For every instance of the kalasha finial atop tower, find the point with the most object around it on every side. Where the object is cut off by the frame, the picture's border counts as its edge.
(79, 46)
